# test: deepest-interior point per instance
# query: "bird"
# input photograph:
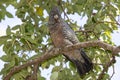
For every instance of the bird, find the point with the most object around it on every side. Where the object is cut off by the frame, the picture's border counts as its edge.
(62, 36)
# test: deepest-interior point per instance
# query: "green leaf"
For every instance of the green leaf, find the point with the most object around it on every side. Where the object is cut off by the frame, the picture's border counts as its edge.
(29, 69)
(30, 39)
(80, 2)
(106, 76)
(3, 39)
(20, 75)
(4, 70)
(7, 67)
(8, 31)
(5, 58)
(22, 28)
(9, 15)
(12, 63)
(65, 74)
(72, 66)
(57, 68)
(39, 77)
(44, 65)
(97, 68)
(54, 76)
(16, 27)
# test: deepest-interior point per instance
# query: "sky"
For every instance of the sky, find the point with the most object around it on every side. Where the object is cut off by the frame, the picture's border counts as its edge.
(14, 21)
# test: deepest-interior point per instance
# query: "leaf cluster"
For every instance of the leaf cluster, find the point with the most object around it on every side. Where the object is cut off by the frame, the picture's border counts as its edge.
(31, 38)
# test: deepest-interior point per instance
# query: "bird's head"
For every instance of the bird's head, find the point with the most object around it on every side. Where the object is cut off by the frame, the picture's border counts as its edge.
(55, 14)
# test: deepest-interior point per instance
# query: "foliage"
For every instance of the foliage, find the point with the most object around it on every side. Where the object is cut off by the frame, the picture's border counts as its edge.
(32, 36)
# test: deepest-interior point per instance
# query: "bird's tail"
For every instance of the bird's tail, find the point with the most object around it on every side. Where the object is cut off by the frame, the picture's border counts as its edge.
(85, 67)
(82, 67)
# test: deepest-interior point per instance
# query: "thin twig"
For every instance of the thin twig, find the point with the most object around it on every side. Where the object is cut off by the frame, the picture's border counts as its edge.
(84, 31)
(96, 35)
(64, 12)
(116, 22)
(28, 44)
(113, 72)
(29, 2)
(59, 2)
(98, 64)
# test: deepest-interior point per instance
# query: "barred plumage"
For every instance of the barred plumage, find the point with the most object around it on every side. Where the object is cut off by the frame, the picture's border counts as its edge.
(62, 35)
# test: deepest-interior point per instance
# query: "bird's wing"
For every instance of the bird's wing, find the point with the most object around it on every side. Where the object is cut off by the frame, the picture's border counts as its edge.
(69, 34)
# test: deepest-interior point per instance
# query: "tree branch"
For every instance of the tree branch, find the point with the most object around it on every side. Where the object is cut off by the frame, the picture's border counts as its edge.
(55, 52)
(96, 43)
(48, 55)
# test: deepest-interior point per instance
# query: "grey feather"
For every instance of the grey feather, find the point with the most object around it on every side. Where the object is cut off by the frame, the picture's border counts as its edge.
(62, 35)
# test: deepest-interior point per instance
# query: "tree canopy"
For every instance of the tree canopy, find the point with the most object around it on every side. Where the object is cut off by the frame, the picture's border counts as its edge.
(28, 46)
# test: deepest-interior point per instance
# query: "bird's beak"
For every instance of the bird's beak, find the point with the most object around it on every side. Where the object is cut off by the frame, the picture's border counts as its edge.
(56, 16)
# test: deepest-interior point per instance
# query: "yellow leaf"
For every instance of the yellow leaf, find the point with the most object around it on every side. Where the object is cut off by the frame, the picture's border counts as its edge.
(39, 11)
(108, 34)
